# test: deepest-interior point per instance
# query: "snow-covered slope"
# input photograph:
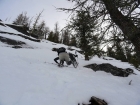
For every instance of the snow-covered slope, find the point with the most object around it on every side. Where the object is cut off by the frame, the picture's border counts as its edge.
(28, 77)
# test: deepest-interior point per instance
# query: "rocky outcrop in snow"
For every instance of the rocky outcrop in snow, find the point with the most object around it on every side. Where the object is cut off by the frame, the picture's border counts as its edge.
(111, 69)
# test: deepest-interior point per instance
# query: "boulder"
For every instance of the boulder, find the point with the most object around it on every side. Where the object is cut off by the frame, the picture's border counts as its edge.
(110, 69)
(96, 101)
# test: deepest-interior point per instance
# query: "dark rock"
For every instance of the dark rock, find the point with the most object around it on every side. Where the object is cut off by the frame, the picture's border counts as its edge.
(21, 29)
(54, 49)
(26, 37)
(110, 69)
(10, 41)
(129, 70)
(2, 24)
(96, 101)
(15, 43)
(16, 47)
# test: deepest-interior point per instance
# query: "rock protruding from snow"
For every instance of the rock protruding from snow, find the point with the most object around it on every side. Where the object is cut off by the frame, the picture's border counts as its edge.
(14, 43)
(110, 69)
(96, 101)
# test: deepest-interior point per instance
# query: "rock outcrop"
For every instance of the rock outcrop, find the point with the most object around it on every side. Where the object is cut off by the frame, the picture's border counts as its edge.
(111, 69)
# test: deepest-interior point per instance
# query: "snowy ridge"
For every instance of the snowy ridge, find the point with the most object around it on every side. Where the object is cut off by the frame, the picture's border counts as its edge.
(4, 28)
(27, 77)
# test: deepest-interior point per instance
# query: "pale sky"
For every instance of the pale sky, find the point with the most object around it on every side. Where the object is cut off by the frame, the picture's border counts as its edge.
(10, 9)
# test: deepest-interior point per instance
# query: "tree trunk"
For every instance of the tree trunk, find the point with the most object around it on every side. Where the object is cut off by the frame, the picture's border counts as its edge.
(125, 24)
(86, 57)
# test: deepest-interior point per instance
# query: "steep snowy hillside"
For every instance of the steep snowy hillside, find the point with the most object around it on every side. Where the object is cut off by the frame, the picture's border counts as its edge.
(28, 77)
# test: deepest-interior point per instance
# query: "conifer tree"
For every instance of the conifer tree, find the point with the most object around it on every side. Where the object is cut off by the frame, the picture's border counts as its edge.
(66, 37)
(120, 15)
(110, 52)
(50, 36)
(73, 42)
(119, 53)
(22, 19)
(42, 29)
(34, 30)
(83, 25)
(56, 33)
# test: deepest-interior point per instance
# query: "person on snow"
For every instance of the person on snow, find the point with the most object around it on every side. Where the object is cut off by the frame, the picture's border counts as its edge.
(62, 56)
(71, 56)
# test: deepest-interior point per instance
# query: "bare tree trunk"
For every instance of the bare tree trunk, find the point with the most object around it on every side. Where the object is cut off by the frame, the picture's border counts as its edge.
(125, 24)
(37, 19)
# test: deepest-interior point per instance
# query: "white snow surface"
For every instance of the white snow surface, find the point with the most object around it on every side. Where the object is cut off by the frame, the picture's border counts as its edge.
(28, 77)
(8, 29)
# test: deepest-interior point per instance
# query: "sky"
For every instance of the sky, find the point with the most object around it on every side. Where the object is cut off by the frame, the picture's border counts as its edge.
(29, 76)
(10, 9)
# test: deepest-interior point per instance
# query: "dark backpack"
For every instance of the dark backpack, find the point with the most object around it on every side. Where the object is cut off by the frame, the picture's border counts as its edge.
(72, 57)
(61, 49)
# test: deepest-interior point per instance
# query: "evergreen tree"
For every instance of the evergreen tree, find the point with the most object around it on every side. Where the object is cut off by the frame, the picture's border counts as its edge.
(119, 15)
(119, 54)
(34, 30)
(73, 42)
(56, 33)
(46, 31)
(40, 29)
(66, 37)
(83, 25)
(22, 19)
(56, 37)
(131, 56)
(36, 21)
(50, 36)
(110, 52)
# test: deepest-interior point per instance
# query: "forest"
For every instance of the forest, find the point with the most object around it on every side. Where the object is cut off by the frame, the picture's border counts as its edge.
(98, 27)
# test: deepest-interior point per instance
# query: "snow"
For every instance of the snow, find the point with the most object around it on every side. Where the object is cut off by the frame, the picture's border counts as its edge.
(28, 77)
(8, 29)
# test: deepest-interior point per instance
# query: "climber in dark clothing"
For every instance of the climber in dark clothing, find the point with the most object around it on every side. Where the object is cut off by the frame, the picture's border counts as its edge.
(63, 56)
(55, 59)
(68, 57)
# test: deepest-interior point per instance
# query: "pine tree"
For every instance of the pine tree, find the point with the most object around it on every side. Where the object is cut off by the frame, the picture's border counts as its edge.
(66, 37)
(83, 24)
(110, 52)
(46, 31)
(120, 15)
(22, 19)
(119, 54)
(56, 37)
(34, 29)
(50, 36)
(40, 29)
(56, 33)
(73, 42)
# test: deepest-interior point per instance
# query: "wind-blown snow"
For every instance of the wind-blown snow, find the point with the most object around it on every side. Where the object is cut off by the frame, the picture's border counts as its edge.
(28, 77)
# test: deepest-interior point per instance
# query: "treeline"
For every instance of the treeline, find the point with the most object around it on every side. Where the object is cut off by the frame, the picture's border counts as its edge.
(38, 29)
(34, 26)
(117, 27)
(86, 32)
